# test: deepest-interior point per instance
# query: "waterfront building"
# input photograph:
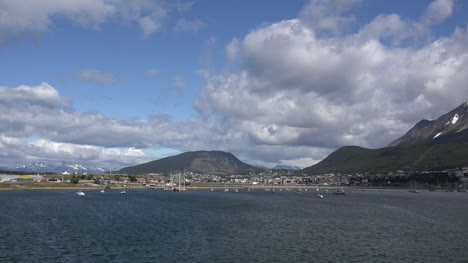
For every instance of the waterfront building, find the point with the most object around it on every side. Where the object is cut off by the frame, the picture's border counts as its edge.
(24, 178)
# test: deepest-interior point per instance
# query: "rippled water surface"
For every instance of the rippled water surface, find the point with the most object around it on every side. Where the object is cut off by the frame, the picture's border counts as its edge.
(248, 226)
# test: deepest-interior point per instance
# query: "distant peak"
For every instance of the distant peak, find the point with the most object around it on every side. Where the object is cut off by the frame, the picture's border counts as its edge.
(422, 123)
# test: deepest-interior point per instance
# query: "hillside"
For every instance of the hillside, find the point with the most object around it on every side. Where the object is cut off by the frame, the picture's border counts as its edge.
(207, 162)
(429, 145)
(426, 131)
(413, 157)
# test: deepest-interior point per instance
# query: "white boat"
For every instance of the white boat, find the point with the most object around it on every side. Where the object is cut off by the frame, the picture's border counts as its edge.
(320, 196)
(80, 193)
(102, 191)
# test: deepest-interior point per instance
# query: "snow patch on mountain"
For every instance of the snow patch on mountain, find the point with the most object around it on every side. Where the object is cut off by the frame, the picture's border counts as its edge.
(77, 167)
(57, 167)
(455, 119)
(437, 135)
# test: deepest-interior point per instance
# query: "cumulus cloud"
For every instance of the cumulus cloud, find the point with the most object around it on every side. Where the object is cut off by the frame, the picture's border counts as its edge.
(297, 88)
(97, 76)
(86, 136)
(26, 18)
(232, 50)
(301, 90)
(92, 138)
(19, 152)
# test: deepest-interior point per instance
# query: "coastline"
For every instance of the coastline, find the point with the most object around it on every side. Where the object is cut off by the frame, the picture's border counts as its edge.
(67, 186)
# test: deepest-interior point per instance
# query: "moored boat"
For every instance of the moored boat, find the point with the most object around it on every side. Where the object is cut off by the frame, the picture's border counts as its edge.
(339, 192)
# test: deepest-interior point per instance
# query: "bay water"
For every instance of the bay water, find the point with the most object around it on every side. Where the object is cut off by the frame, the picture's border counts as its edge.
(244, 226)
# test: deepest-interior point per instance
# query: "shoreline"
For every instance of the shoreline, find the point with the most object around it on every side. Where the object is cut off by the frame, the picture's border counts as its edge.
(28, 186)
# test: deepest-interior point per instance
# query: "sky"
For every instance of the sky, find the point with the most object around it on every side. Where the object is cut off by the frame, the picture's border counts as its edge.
(114, 83)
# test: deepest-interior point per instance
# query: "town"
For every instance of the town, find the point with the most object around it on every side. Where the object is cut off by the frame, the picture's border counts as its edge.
(448, 180)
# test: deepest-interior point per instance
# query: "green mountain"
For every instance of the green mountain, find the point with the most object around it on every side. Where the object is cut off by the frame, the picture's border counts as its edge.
(206, 162)
(429, 145)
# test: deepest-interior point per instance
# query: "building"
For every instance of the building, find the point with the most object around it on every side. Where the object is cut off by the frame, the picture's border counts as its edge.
(25, 178)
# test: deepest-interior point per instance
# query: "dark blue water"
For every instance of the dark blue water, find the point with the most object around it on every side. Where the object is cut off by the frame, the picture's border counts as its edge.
(259, 226)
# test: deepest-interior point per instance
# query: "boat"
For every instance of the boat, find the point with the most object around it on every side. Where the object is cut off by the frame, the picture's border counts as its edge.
(178, 188)
(413, 190)
(80, 193)
(102, 185)
(339, 192)
(320, 196)
(124, 191)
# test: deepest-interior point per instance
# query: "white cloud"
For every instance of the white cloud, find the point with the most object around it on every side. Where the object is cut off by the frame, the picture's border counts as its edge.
(296, 88)
(204, 73)
(26, 18)
(178, 82)
(438, 11)
(97, 76)
(185, 25)
(232, 50)
(301, 90)
(19, 152)
(327, 16)
(148, 25)
(43, 95)
(152, 72)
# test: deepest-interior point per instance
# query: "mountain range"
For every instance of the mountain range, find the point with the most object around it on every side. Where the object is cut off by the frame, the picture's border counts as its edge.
(429, 145)
(54, 167)
(206, 162)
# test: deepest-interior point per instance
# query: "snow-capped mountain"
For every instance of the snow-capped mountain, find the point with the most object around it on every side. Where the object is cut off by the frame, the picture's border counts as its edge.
(56, 167)
(454, 123)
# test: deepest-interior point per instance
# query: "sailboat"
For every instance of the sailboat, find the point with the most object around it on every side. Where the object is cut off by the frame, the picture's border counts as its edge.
(412, 190)
(102, 187)
(124, 191)
(80, 193)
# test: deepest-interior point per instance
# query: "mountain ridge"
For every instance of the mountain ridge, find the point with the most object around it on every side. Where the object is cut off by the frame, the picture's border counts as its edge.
(425, 130)
(55, 167)
(430, 145)
(207, 162)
